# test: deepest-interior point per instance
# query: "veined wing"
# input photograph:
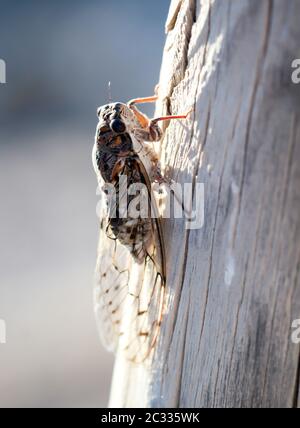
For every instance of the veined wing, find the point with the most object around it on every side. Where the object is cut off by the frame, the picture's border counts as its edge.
(129, 296)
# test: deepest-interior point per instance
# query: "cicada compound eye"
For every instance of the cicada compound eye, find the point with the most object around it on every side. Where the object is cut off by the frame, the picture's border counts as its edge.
(117, 126)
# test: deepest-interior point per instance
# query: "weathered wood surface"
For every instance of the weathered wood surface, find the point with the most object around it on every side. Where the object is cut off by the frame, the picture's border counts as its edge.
(234, 284)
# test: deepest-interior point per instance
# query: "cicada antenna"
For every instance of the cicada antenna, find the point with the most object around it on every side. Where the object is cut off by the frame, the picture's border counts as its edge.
(109, 92)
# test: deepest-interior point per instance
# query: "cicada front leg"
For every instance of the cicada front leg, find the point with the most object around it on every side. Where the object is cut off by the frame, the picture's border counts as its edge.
(150, 130)
(147, 132)
(155, 131)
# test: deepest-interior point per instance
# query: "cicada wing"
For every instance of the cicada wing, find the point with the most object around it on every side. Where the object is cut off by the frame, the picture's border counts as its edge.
(111, 288)
(144, 310)
(129, 296)
(146, 290)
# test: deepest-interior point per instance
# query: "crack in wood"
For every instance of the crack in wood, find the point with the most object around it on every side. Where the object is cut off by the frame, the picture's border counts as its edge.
(173, 14)
(182, 360)
(259, 68)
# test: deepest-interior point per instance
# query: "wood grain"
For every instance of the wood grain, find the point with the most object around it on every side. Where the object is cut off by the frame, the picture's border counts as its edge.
(234, 286)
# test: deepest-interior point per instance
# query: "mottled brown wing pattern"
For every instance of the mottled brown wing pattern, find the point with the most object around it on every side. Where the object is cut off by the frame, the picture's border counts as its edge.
(129, 296)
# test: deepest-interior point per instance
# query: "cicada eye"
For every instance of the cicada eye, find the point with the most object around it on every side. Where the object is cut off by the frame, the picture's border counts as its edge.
(117, 126)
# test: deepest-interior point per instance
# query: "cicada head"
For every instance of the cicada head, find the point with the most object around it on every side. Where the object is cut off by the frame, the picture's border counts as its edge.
(116, 117)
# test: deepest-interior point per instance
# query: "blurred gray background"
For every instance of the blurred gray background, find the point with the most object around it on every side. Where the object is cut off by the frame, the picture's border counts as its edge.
(60, 56)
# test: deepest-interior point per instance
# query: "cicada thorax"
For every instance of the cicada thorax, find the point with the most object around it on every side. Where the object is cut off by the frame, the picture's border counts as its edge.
(128, 222)
(110, 150)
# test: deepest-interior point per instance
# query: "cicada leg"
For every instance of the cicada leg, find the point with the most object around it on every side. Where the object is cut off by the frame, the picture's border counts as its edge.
(179, 116)
(141, 117)
(142, 100)
(150, 129)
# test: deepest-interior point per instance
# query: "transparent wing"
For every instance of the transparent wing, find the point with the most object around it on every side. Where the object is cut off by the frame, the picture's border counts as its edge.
(144, 308)
(129, 296)
(111, 288)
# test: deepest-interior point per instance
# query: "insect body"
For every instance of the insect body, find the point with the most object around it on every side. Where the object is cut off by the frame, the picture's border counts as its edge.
(131, 278)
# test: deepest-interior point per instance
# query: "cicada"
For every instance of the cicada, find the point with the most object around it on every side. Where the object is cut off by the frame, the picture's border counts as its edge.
(131, 265)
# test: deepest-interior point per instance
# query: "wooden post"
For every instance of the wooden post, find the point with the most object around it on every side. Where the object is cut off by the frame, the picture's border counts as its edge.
(234, 285)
